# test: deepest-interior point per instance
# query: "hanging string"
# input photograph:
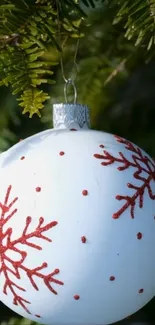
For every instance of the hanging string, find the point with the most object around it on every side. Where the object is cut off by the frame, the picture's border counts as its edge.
(75, 65)
(70, 80)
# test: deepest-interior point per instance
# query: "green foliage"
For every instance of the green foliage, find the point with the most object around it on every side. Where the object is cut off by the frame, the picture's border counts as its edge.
(27, 30)
(32, 101)
(138, 18)
(21, 321)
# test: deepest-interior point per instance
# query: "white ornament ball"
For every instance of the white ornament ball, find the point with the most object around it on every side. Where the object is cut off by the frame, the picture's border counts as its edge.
(77, 224)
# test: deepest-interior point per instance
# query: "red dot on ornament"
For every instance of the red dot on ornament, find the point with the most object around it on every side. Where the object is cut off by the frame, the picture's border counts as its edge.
(101, 146)
(61, 153)
(83, 239)
(76, 297)
(22, 158)
(139, 235)
(84, 192)
(38, 189)
(112, 278)
(73, 129)
(141, 290)
(38, 316)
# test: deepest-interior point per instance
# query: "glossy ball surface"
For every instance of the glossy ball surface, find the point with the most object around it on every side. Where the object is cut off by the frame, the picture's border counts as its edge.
(77, 225)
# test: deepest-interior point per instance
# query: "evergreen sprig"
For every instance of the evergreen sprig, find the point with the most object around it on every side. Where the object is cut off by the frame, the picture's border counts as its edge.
(27, 30)
(138, 18)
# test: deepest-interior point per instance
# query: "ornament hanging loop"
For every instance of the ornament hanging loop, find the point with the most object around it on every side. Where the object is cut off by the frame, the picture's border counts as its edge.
(67, 83)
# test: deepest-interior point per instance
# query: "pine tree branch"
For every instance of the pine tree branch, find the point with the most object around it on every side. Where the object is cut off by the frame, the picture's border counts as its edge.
(138, 18)
(27, 30)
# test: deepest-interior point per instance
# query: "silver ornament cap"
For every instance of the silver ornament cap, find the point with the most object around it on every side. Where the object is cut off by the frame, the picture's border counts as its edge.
(71, 116)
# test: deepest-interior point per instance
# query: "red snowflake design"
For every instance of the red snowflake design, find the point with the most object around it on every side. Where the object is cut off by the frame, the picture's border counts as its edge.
(7, 212)
(141, 164)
